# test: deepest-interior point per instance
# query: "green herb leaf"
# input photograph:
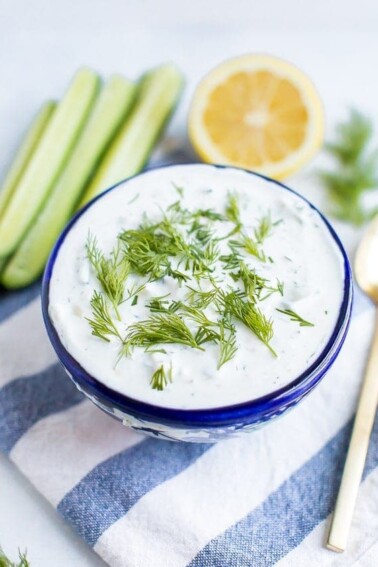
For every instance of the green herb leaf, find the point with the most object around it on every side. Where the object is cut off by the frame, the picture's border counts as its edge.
(232, 210)
(251, 246)
(199, 298)
(111, 272)
(161, 378)
(227, 345)
(356, 169)
(250, 315)
(253, 283)
(264, 229)
(102, 324)
(6, 562)
(295, 317)
(162, 328)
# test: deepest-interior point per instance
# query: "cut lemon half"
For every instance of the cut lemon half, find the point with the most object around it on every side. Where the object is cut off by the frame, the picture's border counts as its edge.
(257, 112)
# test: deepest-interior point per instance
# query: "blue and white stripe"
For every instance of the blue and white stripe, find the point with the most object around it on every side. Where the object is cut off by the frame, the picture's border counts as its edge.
(260, 500)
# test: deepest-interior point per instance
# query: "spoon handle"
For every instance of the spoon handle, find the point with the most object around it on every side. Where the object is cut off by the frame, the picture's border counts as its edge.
(355, 460)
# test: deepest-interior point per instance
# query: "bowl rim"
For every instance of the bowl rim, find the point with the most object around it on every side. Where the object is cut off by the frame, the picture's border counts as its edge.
(214, 416)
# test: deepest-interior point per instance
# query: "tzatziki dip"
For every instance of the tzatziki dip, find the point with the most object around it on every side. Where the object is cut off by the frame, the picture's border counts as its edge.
(195, 286)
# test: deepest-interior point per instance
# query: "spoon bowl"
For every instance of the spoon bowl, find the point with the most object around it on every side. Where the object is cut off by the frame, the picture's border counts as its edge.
(366, 262)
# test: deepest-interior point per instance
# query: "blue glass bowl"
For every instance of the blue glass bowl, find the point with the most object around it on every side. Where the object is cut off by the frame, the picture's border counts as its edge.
(201, 425)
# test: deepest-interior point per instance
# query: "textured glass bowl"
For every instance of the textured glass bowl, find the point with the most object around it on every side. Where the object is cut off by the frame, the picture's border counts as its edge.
(202, 425)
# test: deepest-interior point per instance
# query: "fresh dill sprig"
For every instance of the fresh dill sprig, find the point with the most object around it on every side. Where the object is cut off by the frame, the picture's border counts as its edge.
(227, 344)
(356, 169)
(149, 249)
(249, 245)
(162, 305)
(253, 283)
(179, 189)
(203, 233)
(6, 562)
(270, 290)
(147, 252)
(233, 211)
(264, 229)
(209, 214)
(206, 334)
(249, 314)
(295, 317)
(111, 272)
(160, 328)
(101, 323)
(199, 298)
(160, 378)
(195, 314)
(231, 261)
(134, 290)
(280, 287)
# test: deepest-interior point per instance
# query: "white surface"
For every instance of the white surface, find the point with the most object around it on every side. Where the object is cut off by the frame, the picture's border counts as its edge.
(43, 42)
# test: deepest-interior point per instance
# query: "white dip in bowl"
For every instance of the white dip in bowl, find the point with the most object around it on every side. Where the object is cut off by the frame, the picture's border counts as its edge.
(297, 259)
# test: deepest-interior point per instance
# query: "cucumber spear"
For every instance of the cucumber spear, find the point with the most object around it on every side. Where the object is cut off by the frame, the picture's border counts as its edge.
(131, 149)
(25, 152)
(48, 160)
(110, 110)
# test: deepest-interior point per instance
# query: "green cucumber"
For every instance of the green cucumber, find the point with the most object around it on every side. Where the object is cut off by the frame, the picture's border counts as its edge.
(25, 152)
(48, 160)
(131, 149)
(3, 261)
(110, 110)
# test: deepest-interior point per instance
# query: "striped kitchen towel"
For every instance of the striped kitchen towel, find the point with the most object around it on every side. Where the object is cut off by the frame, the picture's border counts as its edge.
(261, 500)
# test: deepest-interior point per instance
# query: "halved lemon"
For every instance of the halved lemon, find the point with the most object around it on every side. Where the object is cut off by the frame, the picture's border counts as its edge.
(257, 112)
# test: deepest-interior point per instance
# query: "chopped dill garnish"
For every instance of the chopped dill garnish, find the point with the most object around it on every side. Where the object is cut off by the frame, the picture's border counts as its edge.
(111, 272)
(222, 290)
(195, 314)
(250, 245)
(6, 562)
(253, 283)
(280, 287)
(134, 290)
(136, 196)
(270, 290)
(199, 298)
(227, 344)
(295, 317)
(162, 305)
(161, 328)
(206, 334)
(233, 211)
(250, 315)
(161, 378)
(180, 190)
(264, 229)
(231, 261)
(102, 324)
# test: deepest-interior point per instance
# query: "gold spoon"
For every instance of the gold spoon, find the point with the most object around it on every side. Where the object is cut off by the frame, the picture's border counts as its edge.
(366, 272)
